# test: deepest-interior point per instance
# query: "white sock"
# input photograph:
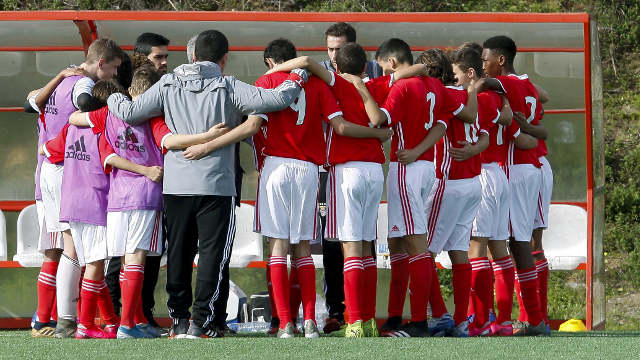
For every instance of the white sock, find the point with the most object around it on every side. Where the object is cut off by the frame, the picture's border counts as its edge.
(67, 289)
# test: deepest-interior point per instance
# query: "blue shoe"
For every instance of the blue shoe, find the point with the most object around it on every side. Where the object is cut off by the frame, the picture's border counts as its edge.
(131, 333)
(149, 330)
(492, 316)
(460, 331)
(441, 326)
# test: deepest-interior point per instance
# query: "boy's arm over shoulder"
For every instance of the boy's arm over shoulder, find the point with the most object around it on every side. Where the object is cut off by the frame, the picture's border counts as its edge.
(250, 99)
(148, 105)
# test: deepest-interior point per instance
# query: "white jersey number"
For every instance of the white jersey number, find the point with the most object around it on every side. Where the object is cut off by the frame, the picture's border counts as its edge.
(299, 105)
(533, 103)
(431, 100)
(500, 140)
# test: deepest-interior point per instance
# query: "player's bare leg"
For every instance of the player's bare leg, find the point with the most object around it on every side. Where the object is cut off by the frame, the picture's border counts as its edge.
(399, 282)
(542, 267)
(278, 250)
(481, 287)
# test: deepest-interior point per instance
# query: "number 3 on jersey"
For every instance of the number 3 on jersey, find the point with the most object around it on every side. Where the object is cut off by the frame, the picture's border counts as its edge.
(431, 100)
(299, 105)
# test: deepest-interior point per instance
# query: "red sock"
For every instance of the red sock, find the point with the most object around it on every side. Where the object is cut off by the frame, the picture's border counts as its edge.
(274, 311)
(80, 287)
(481, 289)
(522, 314)
(419, 285)
(504, 275)
(438, 307)
(307, 279)
(46, 290)
(399, 283)
(131, 293)
(294, 291)
(461, 288)
(353, 279)
(105, 305)
(54, 309)
(280, 283)
(89, 293)
(542, 267)
(528, 279)
(369, 289)
(492, 300)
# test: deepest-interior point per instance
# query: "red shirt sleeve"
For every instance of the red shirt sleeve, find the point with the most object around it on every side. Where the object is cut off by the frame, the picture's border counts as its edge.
(54, 148)
(489, 104)
(328, 103)
(98, 119)
(454, 101)
(106, 150)
(160, 131)
(512, 131)
(379, 88)
(393, 106)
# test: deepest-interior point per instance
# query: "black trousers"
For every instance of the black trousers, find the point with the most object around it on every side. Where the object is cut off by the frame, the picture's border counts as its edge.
(333, 262)
(151, 272)
(203, 224)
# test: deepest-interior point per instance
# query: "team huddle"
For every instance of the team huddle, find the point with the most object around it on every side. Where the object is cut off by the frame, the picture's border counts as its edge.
(124, 149)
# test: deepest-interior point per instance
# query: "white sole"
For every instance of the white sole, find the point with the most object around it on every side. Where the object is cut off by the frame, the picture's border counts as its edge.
(312, 336)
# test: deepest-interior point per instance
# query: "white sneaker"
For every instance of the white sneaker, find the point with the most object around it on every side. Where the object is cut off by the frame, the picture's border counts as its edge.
(310, 329)
(287, 332)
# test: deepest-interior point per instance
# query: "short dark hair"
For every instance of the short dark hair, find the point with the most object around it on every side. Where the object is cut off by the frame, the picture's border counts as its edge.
(351, 59)
(468, 57)
(438, 65)
(397, 48)
(502, 45)
(341, 29)
(125, 71)
(146, 41)
(104, 88)
(280, 50)
(211, 45)
(143, 78)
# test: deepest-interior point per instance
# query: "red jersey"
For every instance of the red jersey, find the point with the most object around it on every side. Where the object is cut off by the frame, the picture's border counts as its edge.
(489, 105)
(523, 100)
(458, 130)
(412, 107)
(296, 132)
(259, 142)
(342, 149)
(535, 107)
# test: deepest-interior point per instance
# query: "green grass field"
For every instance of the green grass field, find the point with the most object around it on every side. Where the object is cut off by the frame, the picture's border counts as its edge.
(594, 345)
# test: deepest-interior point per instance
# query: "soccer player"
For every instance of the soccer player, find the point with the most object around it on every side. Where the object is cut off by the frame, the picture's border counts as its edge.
(355, 186)
(413, 108)
(83, 206)
(457, 189)
(50, 244)
(69, 94)
(490, 226)
(153, 48)
(289, 179)
(336, 36)
(523, 172)
(199, 195)
(134, 210)
(156, 48)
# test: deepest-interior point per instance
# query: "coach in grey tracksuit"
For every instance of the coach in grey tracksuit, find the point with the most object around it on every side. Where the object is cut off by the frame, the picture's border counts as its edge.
(198, 195)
